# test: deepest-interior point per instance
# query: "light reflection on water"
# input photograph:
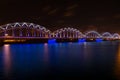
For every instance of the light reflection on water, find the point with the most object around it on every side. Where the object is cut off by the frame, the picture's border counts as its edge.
(7, 60)
(117, 64)
(46, 55)
(87, 53)
(62, 59)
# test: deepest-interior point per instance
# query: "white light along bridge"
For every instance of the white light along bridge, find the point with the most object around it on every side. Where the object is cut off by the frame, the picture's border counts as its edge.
(33, 31)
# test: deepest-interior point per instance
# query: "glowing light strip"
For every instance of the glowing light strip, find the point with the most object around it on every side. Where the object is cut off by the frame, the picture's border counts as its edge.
(67, 31)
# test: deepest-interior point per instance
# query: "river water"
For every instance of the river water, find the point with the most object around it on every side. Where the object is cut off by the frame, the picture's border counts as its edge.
(58, 61)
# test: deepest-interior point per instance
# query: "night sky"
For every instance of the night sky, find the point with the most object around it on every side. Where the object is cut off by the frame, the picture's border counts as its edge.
(55, 14)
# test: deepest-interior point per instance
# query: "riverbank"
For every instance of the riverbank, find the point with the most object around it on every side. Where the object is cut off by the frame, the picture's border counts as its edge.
(45, 40)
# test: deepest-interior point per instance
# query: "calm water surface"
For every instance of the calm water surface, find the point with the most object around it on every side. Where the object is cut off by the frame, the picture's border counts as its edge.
(58, 61)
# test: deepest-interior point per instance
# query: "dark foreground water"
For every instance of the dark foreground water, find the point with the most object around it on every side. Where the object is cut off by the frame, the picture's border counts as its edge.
(58, 61)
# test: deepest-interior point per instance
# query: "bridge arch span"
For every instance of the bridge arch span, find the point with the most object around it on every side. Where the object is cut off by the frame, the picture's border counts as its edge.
(116, 36)
(2, 31)
(92, 35)
(107, 35)
(68, 33)
(25, 30)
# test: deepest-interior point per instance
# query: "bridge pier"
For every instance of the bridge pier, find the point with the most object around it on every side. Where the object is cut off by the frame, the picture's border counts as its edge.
(82, 40)
(49, 40)
(67, 40)
(23, 40)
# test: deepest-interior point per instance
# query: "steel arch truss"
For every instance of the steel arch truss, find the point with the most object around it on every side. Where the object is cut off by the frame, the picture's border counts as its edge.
(116, 36)
(33, 30)
(24, 30)
(107, 35)
(68, 33)
(92, 35)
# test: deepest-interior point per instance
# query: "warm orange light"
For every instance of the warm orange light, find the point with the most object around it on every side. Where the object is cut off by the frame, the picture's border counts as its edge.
(7, 59)
(117, 65)
(14, 40)
(91, 39)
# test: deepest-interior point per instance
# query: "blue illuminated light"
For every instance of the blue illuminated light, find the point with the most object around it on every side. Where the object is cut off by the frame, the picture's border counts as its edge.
(81, 40)
(99, 40)
(51, 40)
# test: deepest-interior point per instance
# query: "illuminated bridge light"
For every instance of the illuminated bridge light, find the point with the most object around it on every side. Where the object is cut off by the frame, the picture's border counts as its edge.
(107, 35)
(82, 40)
(92, 35)
(116, 36)
(25, 30)
(52, 41)
(99, 40)
(31, 30)
(68, 33)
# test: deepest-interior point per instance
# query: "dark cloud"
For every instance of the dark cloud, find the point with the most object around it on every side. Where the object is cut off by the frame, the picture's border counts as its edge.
(69, 13)
(60, 21)
(52, 11)
(104, 15)
(72, 6)
(46, 8)
(117, 16)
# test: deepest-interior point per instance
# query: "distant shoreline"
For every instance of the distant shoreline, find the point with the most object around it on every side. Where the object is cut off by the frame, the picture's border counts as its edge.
(23, 41)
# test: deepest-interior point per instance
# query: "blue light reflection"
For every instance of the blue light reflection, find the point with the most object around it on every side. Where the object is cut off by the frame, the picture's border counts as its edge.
(99, 40)
(81, 40)
(52, 41)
